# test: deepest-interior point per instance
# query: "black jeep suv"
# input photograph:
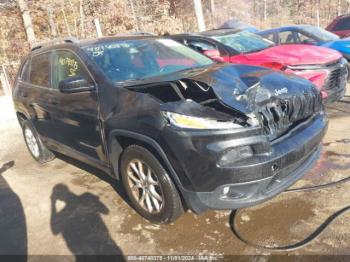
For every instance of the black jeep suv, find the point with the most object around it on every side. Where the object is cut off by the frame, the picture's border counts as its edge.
(178, 130)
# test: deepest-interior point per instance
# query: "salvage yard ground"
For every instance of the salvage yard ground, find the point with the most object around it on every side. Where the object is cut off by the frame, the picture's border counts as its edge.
(90, 214)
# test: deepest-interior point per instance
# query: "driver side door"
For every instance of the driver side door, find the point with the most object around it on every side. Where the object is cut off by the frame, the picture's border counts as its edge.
(78, 127)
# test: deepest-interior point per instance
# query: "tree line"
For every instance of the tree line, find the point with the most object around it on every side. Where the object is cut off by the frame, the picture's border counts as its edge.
(24, 22)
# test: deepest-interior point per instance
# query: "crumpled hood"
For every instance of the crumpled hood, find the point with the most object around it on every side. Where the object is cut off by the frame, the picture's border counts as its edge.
(250, 96)
(245, 88)
(296, 55)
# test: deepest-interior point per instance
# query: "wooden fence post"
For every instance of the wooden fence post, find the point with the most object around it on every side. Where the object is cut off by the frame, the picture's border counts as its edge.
(4, 81)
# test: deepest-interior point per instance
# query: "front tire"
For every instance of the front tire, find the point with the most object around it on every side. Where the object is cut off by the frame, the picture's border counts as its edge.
(149, 187)
(35, 147)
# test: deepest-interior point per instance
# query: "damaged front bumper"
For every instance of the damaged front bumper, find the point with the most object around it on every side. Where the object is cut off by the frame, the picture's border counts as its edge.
(330, 79)
(244, 180)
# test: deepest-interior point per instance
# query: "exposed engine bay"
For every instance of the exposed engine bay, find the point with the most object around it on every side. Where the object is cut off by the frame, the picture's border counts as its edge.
(250, 100)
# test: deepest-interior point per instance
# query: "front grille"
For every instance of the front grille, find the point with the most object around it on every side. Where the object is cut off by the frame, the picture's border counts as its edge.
(337, 76)
(279, 116)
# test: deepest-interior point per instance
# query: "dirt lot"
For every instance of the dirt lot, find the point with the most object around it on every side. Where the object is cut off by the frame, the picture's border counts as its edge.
(97, 219)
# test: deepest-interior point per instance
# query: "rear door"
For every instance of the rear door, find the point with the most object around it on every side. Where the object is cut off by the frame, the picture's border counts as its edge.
(40, 99)
(78, 124)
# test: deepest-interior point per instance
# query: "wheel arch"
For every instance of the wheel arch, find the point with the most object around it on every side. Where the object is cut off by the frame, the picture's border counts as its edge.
(21, 117)
(120, 139)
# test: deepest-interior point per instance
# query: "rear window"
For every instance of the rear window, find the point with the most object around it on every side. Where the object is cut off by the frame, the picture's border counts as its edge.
(201, 45)
(269, 37)
(244, 42)
(343, 24)
(40, 69)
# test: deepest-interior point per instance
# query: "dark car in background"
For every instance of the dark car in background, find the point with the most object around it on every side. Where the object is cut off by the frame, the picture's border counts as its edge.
(340, 26)
(324, 67)
(238, 25)
(175, 128)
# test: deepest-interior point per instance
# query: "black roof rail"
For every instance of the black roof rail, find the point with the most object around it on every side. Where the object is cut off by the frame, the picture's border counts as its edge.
(56, 41)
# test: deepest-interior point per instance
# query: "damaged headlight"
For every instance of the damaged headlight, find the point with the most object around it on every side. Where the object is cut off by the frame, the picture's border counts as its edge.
(192, 122)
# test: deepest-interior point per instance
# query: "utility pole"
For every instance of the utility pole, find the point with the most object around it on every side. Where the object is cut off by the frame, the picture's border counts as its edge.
(27, 21)
(199, 14)
(265, 10)
(98, 27)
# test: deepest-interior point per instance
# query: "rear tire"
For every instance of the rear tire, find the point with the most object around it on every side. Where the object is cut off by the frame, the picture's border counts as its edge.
(149, 187)
(35, 146)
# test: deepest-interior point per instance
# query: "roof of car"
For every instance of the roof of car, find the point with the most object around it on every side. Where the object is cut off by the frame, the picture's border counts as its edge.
(85, 42)
(216, 32)
(342, 16)
(289, 27)
(184, 35)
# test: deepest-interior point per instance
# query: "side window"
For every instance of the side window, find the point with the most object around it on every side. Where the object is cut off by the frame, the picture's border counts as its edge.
(286, 37)
(40, 70)
(343, 24)
(301, 38)
(201, 46)
(24, 72)
(68, 65)
(269, 37)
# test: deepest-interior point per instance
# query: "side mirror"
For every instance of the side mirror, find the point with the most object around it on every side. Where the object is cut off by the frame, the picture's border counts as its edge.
(75, 84)
(214, 54)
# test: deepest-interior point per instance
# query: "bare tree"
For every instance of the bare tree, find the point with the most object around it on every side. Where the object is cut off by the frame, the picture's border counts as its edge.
(132, 7)
(199, 14)
(66, 21)
(75, 15)
(27, 21)
(82, 19)
(318, 13)
(212, 12)
(51, 21)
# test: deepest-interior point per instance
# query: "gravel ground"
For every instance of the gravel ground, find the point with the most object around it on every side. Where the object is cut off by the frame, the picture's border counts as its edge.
(91, 214)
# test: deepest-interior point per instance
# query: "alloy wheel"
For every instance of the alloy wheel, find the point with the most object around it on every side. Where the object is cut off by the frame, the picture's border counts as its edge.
(145, 186)
(31, 142)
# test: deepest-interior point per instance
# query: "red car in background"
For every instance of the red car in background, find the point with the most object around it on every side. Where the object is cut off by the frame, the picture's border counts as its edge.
(340, 26)
(324, 67)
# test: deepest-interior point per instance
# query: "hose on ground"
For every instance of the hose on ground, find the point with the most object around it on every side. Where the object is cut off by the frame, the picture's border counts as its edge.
(306, 241)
